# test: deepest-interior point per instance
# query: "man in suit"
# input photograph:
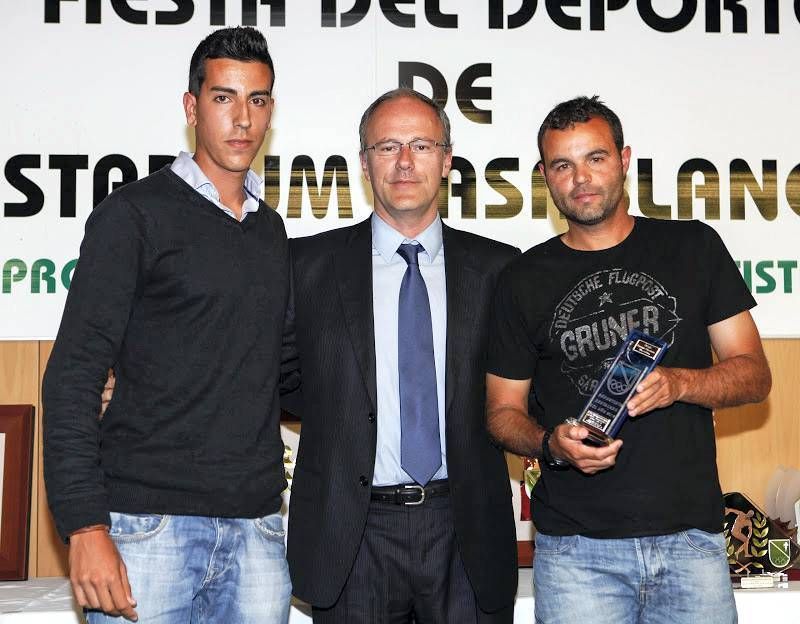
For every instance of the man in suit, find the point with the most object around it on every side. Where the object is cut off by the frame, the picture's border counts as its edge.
(400, 506)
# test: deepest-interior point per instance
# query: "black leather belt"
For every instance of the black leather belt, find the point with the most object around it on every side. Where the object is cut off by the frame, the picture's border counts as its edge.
(409, 494)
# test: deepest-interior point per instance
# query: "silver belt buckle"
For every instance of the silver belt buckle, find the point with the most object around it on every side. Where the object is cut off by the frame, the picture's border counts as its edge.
(421, 489)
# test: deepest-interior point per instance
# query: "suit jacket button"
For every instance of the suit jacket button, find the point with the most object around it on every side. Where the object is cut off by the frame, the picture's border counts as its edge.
(363, 481)
(371, 417)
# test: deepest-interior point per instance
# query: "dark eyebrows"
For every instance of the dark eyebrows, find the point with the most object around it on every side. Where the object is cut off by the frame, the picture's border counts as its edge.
(600, 151)
(229, 90)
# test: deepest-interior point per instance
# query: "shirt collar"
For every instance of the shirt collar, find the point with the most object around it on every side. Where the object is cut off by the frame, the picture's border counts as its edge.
(386, 240)
(187, 169)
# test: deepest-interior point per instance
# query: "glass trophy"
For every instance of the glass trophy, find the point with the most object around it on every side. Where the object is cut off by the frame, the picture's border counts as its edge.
(606, 410)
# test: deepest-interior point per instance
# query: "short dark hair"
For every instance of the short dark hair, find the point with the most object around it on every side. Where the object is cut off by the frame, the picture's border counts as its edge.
(242, 43)
(580, 110)
(401, 93)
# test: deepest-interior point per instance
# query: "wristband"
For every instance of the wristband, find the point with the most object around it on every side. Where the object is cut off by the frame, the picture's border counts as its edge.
(90, 529)
(552, 462)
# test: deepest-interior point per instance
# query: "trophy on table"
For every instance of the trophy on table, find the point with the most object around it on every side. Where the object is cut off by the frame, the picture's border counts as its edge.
(606, 410)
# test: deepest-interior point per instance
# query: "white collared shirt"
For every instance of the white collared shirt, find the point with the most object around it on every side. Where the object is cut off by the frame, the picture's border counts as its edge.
(189, 171)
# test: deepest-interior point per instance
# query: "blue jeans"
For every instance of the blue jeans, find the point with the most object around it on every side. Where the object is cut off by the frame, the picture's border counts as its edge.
(680, 578)
(193, 569)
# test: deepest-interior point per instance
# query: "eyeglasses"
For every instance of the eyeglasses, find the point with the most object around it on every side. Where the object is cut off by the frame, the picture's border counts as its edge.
(418, 147)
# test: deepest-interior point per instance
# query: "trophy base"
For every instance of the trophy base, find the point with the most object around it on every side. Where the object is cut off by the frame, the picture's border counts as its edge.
(596, 438)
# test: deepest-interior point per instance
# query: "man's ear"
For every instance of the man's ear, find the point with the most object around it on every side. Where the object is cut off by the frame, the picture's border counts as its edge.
(448, 163)
(625, 157)
(190, 108)
(362, 157)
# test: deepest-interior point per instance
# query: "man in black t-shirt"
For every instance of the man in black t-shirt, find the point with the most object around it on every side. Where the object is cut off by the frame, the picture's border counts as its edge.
(630, 531)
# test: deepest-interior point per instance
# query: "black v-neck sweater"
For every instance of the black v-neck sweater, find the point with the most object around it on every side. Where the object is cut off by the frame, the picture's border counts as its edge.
(188, 306)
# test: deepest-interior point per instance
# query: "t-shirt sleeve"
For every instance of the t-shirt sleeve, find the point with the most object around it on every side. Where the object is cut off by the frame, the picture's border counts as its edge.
(511, 353)
(729, 294)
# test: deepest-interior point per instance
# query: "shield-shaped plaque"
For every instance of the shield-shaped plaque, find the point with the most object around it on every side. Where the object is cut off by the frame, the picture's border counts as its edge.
(779, 552)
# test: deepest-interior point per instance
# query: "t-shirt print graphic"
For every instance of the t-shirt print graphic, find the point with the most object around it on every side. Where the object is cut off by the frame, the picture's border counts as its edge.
(597, 314)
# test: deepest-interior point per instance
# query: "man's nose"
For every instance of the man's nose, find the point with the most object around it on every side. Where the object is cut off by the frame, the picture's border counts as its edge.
(242, 119)
(405, 159)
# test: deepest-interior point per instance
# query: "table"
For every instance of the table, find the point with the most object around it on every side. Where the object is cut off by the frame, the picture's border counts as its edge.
(38, 601)
(49, 601)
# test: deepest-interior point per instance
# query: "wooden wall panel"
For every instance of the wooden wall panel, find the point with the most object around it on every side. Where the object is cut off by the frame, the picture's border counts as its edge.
(751, 441)
(19, 372)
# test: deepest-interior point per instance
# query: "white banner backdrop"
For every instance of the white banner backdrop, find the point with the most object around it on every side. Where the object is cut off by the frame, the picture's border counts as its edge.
(708, 98)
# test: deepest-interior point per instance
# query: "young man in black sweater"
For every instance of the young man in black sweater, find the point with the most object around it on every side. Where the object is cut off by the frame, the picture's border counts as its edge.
(171, 501)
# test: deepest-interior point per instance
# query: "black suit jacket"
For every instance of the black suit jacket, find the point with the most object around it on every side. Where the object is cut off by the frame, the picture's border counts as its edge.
(332, 275)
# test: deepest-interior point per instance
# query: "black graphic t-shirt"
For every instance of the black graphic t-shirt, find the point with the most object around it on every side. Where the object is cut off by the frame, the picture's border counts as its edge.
(559, 318)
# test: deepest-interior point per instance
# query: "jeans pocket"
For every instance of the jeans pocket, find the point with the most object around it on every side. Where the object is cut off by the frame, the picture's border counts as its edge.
(701, 541)
(271, 527)
(136, 527)
(554, 544)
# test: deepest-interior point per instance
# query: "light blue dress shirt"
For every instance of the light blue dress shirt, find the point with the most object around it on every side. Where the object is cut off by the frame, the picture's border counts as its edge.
(388, 268)
(188, 170)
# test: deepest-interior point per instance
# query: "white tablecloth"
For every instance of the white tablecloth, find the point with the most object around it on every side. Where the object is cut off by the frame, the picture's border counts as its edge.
(38, 601)
(49, 601)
